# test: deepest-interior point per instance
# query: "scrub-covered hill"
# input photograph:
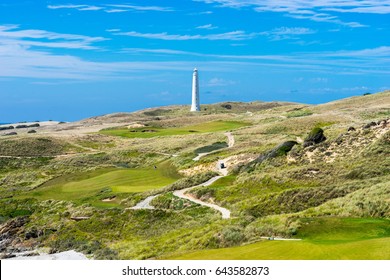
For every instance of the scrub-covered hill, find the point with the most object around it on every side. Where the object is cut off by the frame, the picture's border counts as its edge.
(108, 186)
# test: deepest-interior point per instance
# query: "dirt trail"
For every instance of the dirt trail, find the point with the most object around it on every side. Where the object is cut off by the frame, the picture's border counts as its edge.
(182, 194)
(145, 204)
(230, 138)
(222, 170)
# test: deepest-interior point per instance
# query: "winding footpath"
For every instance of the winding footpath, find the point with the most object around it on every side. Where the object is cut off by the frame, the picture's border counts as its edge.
(230, 138)
(182, 194)
(145, 204)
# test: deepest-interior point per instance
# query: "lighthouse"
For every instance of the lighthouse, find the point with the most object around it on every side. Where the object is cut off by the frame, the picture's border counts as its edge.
(195, 107)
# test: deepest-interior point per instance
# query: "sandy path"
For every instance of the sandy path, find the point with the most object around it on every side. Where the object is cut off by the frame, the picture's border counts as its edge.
(182, 194)
(145, 204)
(230, 137)
(199, 156)
(231, 142)
(280, 238)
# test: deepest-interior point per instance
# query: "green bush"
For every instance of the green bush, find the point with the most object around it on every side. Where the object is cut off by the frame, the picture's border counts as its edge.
(299, 113)
(210, 148)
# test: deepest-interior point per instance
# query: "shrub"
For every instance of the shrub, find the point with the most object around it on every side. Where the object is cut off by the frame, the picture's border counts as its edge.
(299, 113)
(213, 147)
(315, 136)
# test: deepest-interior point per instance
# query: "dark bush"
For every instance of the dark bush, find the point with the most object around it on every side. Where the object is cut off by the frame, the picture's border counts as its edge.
(315, 136)
(21, 126)
(213, 147)
(9, 134)
(6, 127)
(226, 106)
(34, 125)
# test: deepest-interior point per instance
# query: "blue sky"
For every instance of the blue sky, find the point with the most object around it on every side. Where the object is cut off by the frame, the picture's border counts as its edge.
(68, 60)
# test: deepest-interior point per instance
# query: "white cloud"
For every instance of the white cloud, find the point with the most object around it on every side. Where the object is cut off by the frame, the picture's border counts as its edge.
(319, 80)
(115, 11)
(77, 7)
(113, 30)
(11, 34)
(160, 51)
(55, 7)
(111, 8)
(206, 26)
(218, 82)
(283, 33)
(311, 10)
(374, 60)
(91, 8)
(384, 9)
(234, 36)
(34, 54)
(142, 8)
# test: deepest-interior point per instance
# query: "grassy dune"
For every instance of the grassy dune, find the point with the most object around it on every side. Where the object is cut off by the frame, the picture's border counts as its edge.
(148, 132)
(334, 195)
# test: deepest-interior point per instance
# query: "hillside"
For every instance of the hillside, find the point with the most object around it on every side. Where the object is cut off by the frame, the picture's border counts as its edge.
(298, 182)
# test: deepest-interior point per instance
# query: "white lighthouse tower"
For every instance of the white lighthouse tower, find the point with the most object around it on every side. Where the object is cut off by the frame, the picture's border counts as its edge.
(195, 107)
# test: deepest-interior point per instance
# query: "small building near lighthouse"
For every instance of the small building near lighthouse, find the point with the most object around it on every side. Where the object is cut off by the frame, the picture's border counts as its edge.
(195, 106)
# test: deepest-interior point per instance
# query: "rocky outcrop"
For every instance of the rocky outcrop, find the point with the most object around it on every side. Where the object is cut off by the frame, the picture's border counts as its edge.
(280, 150)
(9, 134)
(371, 124)
(315, 136)
(9, 236)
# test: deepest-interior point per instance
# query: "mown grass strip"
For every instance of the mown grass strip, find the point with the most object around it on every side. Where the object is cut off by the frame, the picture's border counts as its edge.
(149, 132)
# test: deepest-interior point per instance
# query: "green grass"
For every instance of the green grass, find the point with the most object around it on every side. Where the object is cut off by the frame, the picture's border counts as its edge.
(299, 113)
(97, 184)
(150, 132)
(323, 238)
(334, 230)
(298, 250)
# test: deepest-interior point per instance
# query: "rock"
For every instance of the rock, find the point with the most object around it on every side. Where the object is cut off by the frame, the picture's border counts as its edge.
(226, 106)
(339, 139)
(21, 126)
(371, 124)
(30, 254)
(351, 128)
(31, 131)
(79, 218)
(279, 150)
(9, 233)
(6, 127)
(9, 134)
(315, 136)
(33, 233)
(34, 125)
(383, 123)
(7, 256)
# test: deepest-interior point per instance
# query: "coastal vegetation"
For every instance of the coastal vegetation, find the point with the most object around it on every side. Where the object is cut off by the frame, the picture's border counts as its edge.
(303, 182)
